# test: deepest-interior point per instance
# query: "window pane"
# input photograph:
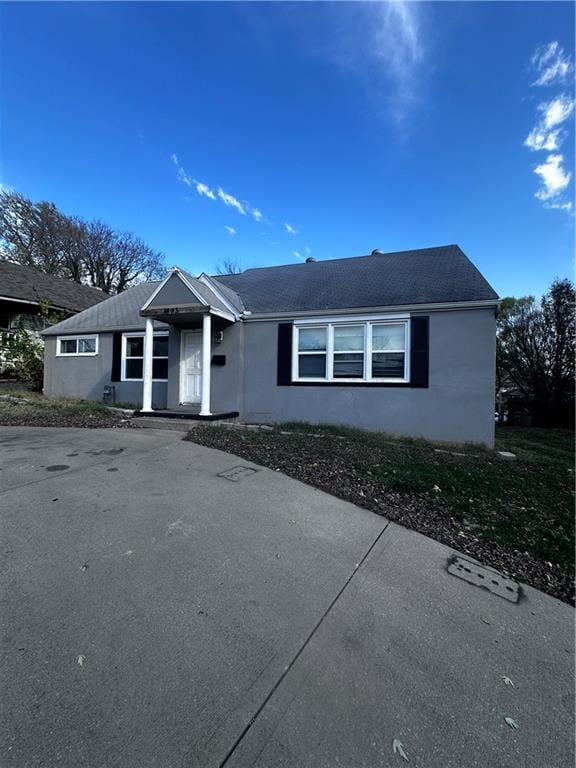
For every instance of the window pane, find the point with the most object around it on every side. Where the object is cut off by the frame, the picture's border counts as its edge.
(349, 337)
(160, 346)
(349, 366)
(312, 366)
(135, 346)
(389, 336)
(160, 369)
(86, 345)
(68, 346)
(389, 365)
(311, 339)
(133, 369)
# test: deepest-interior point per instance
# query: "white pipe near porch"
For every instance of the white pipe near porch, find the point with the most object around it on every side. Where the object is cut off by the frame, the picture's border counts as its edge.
(147, 373)
(206, 360)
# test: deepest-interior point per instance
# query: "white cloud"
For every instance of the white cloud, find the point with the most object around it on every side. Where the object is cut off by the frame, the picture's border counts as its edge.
(298, 255)
(551, 64)
(561, 206)
(258, 216)
(184, 178)
(558, 110)
(174, 159)
(231, 201)
(538, 140)
(231, 231)
(290, 229)
(393, 40)
(308, 251)
(204, 189)
(553, 176)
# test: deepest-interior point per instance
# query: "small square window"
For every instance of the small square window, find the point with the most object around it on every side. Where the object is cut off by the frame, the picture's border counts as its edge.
(86, 346)
(135, 346)
(67, 346)
(134, 368)
(160, 368)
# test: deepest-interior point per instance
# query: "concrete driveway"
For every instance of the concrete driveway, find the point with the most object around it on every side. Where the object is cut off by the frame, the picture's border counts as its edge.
(163, 608)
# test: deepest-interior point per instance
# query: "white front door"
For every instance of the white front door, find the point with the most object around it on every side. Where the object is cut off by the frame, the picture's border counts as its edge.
(191, 367)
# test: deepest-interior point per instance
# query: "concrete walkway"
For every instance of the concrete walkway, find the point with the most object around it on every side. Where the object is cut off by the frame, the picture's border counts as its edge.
(165, 607)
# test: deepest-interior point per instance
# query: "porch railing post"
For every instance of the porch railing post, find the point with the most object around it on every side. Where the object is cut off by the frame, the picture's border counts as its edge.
(206, 360)
(147, 364)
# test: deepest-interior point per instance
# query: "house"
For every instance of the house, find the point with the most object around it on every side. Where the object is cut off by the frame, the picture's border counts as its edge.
(400, 342)
(23, 291)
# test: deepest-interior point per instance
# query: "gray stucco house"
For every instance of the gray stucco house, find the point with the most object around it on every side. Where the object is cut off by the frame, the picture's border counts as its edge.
(400, 342)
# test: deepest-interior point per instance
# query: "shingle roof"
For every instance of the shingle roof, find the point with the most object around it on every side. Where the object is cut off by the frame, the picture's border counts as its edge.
(29, 284)
(426, 276)
(118, 313)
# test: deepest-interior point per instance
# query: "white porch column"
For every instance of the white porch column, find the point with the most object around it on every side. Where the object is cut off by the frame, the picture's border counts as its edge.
(206, 360)
(147, 365)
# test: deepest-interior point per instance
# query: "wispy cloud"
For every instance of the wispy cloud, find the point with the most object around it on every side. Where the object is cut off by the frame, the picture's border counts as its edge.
(554, 178)
(308, 251)
(204, 189)
(298, 256)
(258, 215)
(290, 229)
(385, 46)
(231, 231)
(552, 67)
(231, 201)
(551, 64)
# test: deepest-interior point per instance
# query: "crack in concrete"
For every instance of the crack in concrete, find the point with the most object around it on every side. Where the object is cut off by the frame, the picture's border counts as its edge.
(302, 648)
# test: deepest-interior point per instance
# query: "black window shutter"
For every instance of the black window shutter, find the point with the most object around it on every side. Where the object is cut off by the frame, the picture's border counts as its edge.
(419, 352)
(284, 354)
(116, 356)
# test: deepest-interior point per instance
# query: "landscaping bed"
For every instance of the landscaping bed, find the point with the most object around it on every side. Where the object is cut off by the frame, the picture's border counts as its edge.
(516, 516)
(20, 408)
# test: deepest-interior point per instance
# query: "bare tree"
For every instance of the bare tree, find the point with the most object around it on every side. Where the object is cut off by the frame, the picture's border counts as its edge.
(228, 267)
(116, 261)
(536, 352)
(39, 235)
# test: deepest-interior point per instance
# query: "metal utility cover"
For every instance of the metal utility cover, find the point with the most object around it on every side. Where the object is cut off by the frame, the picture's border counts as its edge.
(487, 578)
(237, 473)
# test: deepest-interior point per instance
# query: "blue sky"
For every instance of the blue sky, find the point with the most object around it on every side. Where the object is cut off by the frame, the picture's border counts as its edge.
(265, 132)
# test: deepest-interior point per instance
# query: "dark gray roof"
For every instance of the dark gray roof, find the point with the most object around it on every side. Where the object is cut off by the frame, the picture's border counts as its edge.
(118, 313)
(29, 284)
(425, 276)
(428, 276)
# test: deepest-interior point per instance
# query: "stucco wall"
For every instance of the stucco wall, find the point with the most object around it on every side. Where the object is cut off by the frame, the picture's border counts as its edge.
(458, 406)
(86, 377)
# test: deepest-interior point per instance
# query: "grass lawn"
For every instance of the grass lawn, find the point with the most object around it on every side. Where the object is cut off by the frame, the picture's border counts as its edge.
(19, 407)
(517, 516)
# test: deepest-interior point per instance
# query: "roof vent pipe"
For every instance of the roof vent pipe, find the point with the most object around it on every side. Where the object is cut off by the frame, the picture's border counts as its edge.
(377, 252)
(310, 259)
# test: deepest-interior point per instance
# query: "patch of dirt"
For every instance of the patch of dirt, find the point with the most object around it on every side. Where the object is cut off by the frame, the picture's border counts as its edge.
(48, 418)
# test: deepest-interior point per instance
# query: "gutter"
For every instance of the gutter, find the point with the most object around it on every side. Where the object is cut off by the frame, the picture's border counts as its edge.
(395, 308)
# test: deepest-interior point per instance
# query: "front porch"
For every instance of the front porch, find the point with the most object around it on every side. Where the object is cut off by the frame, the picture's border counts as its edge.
(184, 412)
(197, 318)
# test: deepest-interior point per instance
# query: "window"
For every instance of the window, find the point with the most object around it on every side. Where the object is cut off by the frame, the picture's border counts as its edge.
(373, 350)
(76, 346)
(133, 357)
(312, 353)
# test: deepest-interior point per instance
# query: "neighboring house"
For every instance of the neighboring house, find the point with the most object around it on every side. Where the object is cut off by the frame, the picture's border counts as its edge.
(23, 290)
(400, 342)
(31, 300)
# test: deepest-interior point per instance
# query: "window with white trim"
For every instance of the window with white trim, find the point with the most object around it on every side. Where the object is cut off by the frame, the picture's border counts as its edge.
(348, 351)
(133, 356)
(76, 346)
